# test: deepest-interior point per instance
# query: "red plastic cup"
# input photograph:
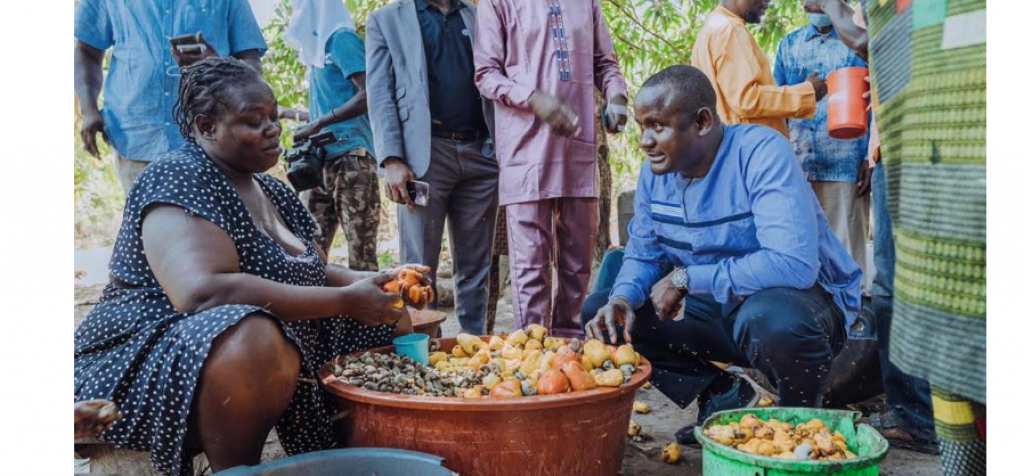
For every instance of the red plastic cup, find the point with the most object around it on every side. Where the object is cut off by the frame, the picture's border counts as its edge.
(847, 107)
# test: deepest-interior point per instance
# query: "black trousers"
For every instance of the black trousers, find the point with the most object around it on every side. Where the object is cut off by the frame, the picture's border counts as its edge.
(791, 335)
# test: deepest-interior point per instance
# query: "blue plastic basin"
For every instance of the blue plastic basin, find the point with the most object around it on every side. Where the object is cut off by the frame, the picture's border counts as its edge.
(349, 462)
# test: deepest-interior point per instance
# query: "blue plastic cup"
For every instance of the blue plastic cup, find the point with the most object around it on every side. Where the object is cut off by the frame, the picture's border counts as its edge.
(414, 346)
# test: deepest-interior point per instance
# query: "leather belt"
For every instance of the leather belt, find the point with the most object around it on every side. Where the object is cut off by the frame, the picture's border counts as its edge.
(444, 133)
(358, 152)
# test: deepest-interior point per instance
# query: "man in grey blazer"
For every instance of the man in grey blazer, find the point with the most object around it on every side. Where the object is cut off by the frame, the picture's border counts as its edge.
(430, 124)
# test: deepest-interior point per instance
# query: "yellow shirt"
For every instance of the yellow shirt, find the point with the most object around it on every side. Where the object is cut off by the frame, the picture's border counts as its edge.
(739, 71)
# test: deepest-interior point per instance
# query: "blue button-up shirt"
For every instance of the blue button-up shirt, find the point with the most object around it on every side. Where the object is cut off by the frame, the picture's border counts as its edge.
(801, 53)
(331, 87)
(142, 80)
(751, 224)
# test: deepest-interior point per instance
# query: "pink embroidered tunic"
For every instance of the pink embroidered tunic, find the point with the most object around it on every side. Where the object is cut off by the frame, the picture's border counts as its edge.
(561, 47)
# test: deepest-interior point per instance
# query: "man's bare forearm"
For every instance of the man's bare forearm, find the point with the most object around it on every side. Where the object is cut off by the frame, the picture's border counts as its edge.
(855, 37)
(353, 108)
(88, 77)
(252, 58)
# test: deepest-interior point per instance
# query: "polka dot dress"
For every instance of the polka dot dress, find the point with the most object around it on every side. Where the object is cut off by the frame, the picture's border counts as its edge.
(136, 350)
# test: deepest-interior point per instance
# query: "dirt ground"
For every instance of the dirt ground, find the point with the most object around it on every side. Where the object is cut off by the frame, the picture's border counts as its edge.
(640, 459)
(666, 417)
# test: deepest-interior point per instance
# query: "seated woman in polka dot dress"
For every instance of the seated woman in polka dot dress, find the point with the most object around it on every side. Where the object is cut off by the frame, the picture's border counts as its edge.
(220, 309)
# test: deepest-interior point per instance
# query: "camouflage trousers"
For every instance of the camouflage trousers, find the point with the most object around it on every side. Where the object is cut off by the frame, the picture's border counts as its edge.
(350, 198)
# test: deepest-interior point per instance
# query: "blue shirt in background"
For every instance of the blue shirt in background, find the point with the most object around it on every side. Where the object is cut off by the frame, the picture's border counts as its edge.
(142, 80)
(751, 224)
(801, 53)
(330, 87)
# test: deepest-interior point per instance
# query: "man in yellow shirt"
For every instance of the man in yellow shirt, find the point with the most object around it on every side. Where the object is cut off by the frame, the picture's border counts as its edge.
(742, 77)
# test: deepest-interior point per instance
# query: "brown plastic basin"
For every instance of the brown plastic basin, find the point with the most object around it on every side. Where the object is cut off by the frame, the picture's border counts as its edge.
(427, 321)
(577, 433)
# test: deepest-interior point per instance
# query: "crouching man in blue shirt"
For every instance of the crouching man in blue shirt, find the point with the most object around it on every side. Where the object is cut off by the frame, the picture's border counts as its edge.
(729, 259)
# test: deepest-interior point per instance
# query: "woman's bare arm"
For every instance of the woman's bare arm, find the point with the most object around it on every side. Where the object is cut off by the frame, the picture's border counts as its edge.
(196, 263)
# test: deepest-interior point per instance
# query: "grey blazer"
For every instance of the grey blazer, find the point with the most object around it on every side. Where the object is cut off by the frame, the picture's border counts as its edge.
(397, 92)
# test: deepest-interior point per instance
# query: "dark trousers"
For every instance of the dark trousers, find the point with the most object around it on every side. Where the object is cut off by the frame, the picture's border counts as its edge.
(791, 335)
(463, 178)
(908, 398)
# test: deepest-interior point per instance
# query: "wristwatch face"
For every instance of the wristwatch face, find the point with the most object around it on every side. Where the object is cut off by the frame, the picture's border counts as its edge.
(680, 279)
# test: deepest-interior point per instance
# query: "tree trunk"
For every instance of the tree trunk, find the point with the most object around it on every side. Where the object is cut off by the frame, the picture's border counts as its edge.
(604, 207)
(499, 273)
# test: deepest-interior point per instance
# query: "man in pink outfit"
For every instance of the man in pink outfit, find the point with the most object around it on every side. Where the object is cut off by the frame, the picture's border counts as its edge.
(539, 61)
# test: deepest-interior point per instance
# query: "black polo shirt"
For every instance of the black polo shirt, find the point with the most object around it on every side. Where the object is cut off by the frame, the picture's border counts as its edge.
(454, 100)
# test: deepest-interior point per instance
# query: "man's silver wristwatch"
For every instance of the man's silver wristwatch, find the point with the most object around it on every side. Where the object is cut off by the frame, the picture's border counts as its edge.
(681, 280)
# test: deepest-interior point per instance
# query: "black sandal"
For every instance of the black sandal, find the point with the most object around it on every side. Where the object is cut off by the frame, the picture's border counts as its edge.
(743, 394)
(885, 421)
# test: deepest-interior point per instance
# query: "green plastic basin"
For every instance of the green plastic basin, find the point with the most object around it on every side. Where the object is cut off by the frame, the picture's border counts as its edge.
(866, 442)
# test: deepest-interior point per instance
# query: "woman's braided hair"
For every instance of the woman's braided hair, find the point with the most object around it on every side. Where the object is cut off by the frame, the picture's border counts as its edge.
(203, 87)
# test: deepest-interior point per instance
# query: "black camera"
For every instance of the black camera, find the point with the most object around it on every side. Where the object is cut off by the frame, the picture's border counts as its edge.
(306, 161)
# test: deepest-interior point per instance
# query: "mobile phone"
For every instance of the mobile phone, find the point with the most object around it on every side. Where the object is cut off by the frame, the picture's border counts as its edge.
(606, 113)
(187, 44)
(682, 311)
(419, 192)
(183, 40)
(191, 49)
(606, 119)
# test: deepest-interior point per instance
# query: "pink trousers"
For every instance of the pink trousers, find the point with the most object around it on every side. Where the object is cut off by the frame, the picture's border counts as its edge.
(557, 232)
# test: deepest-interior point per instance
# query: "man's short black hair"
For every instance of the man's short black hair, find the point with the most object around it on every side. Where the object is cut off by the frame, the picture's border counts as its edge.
(687, 82)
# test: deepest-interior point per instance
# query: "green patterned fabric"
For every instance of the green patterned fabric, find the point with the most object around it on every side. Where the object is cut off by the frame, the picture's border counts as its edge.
(960, 426)
(928, 72)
